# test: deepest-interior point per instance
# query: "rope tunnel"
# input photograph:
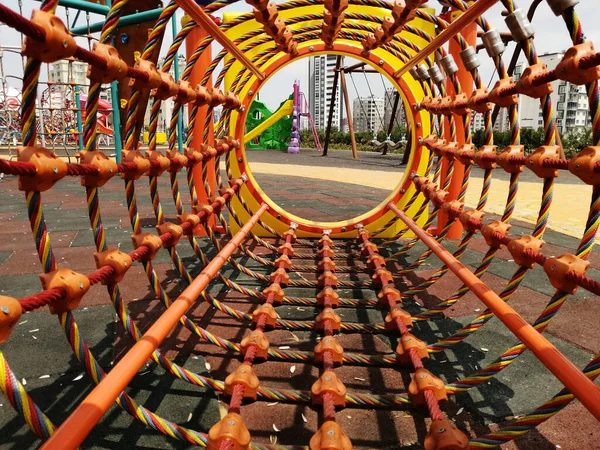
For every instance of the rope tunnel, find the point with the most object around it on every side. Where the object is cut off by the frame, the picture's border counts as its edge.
(358, 265)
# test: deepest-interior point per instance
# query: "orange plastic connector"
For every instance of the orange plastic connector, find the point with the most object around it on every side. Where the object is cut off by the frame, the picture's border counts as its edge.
(367, 248)
(185, 93)
(423, 380)
(203, 208)
(454, 209)
(330, 436)
(284, 278)
(275, 291)
(504, 158)
(502, 85)
(438, 198)
(326, 264)
(387, 293)
(116, 68)
(49, 169)
(161, 163)
(193, 155)
(119, 261)
(518, 248)
(190, 218)
(459, 104)
(331, 315)
(291, 234)
(216, 96)
(284, 261)
(407, 343)
(526, 85)
(202, 96)
(326, 252)
(569, 69)
(167, 89)
(382, 276)
(74, 284)
(445, 106)
(107, 168)
(583, 164)
(229, 428)
(535, 161)
(465, 154)
(286, 249)
(149, 68)
(336, 5)
(495, 233)
(258, 340)
(428, 189)
(134, 156)
(486, 157)
(477, 101)
(329, 344)
(154, 243)
(328, 296)
(245, 376)
(58, 43)
(232, 101)
(397, 313)
(327, 278)
(375, 260)
(10, 313)
(325, 241)
(328, 383)
(178, 161)
(266, 15)
(443, 435)
(173, 229)
(557, 269)
(470, 220)
(268, 311)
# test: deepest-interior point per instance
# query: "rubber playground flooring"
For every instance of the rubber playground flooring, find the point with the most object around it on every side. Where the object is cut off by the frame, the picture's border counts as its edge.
(39, 353)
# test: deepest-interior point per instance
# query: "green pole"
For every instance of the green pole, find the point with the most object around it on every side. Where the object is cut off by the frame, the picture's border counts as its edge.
(180, 119)
(84, 6)
(79, 121)
(132, 19)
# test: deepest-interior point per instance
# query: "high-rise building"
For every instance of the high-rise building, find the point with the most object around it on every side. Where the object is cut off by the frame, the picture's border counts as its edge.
(570, 102)
(320, 88)
(367, 114)
(65, 72)
(389, 100)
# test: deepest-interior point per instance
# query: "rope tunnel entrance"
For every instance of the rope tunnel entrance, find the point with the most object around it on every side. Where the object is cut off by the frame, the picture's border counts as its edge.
(325, 320)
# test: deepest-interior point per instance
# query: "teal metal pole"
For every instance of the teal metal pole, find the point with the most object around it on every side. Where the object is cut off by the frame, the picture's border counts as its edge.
(180, 119)
(79, 121)
(114, 97)
(84, 6)
(132, 19)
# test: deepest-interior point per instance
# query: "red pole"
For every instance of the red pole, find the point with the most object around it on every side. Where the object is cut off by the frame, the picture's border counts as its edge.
(469, 33)
(192, 41)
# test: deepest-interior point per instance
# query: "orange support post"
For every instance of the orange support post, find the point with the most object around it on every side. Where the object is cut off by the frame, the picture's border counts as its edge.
(581, 386)
(81, 421)
(192, 41)
(469, 33)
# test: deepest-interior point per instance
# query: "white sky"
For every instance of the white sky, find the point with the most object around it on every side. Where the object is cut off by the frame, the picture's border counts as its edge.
(551, 35)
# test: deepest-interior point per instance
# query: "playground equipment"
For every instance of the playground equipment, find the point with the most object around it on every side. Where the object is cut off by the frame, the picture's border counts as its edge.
(279, 130)
(400, 40)
(267, 130)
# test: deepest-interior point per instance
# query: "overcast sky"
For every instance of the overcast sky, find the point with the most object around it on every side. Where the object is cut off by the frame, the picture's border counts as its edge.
(551, 35)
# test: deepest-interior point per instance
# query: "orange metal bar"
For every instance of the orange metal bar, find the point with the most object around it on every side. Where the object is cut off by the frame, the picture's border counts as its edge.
(478, 8)
(192, 41)
(206, 22)
(568, 374)
(81, 421)
(465, 79)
